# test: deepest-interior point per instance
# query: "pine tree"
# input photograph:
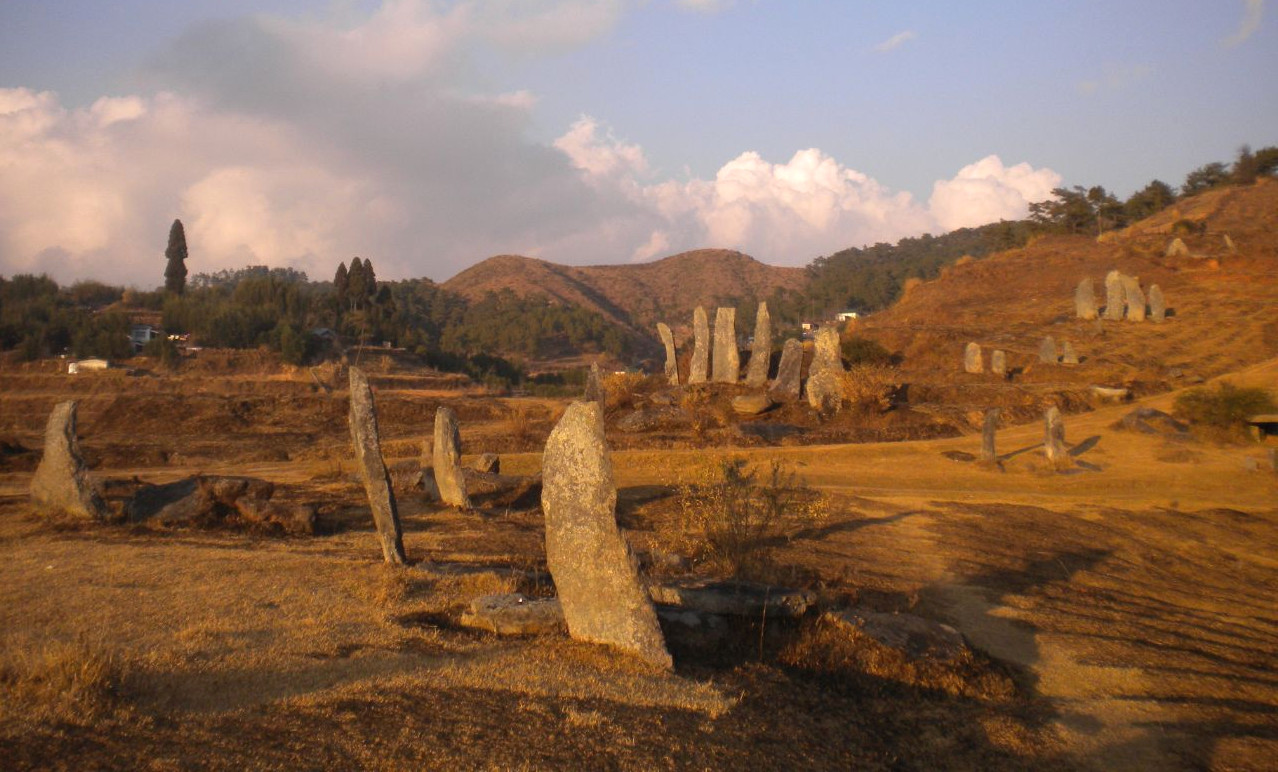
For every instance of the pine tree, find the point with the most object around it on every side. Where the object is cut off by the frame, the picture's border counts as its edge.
(341, 285)
(356, 283)
(370, 279)
(175, 270)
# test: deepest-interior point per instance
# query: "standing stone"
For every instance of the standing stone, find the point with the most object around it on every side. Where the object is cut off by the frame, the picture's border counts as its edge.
(788, 383)
(988, 455)
(760, 349)
(998, 362)
(1068, 355)
(1054, 436)
(672, 365)
(1177, 248)
(594, 385)
(372, 470)
(825, 376)
(449, 478)
(594, 571)
(1047, 351)
(1157, 304)
(726, 361)
(1229, 244)
(1085, 300)
(973, 362)
(1114, 296)
(61, 482)
(1135, 299)
(700, 347)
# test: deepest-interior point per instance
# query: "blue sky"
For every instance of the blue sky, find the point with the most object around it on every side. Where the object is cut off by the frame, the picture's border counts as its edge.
(430, 135)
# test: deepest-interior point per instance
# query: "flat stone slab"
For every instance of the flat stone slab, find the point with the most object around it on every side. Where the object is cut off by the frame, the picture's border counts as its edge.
(515, 614)
(914, 636)
(1109, 392)
(751, 404)
(742, 599)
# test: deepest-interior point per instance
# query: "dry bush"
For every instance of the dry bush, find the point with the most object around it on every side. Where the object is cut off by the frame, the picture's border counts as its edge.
(964, 260)
(734, 521)
(619, 390)
(871, 386)
(65, 680)
(1222, 414)
(910, 284)
(696, 403)
(521, 427)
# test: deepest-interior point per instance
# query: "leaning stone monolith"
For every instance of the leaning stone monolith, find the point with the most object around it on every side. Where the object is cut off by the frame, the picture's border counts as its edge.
(1085, 300)
(998, 362)
(1157, 304)
(789, 380)
(825, 374)
(1134, 298)
(1114, 296)
(61, 482)
(372, 470)
(760, 349)
(1068, 355)
(990, 427)
(1054, 436)
(672, 365)
(1047, 351)
(594, 391)
(700, 368)
(594, 571)
(449, 478)
(726, 360)
(973, 362)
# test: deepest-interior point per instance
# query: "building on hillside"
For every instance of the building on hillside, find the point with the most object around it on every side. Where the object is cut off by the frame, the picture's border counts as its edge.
(847, 316)
(142, 334)
(87, 365)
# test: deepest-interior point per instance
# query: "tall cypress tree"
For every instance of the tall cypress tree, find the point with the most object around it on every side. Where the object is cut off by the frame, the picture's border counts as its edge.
(341, 285)
(175, 270)
(370, 279)
(356, 286)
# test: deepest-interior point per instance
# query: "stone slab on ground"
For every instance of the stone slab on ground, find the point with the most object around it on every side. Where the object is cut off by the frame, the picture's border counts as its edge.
(914, 636)
(515, 614)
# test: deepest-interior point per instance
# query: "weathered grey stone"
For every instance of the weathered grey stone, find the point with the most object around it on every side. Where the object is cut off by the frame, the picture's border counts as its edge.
(726, 361)
(1229, 244)
(733, 598)
(1068, 355)
(760, 349)
(789, 380)
(487, 463)
(672, 364)
(700, 367)
(650, 418)
(1147, 420)
(1177, 248)
(1157, 304)
(446, 458)
(1115, 393)
(998, 362)
(973, 362)
(988, 430)
(828, 353)
(1054, 436)
(61, 482)
(596, 574)
(913, 636)
(751, 404)
(1085, 300)
(372, 470)
(211, 500)
(1114, 296)
(825, 377)
(594, 385)
(1047, 351)
(514, 614)
(1134, 298)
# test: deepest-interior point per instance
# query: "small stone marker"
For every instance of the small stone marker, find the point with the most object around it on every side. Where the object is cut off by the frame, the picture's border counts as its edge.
(988, 430)
(700, 368)
(998, 362)
(61, 482)
(973, 362)
(726, 360)
(1229, 244)
(1157, 305)
(593, 568)
(789, 381)
(372, 470)
(1047, 351)
(1114, 296)
(760, 349)
(672, 365)
(1135, 299)
(1054, 436)
(594, 391)
(825, 377)
(751, 404)
(449, 478)
(1068, 356)
(1177, 248)
(1085, 300)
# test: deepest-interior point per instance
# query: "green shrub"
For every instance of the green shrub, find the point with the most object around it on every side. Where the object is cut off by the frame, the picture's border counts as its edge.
(1228, 406)
(863, 351)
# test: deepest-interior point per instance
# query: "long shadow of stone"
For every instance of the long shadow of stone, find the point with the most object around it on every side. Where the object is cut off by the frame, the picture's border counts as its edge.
(1084, 446)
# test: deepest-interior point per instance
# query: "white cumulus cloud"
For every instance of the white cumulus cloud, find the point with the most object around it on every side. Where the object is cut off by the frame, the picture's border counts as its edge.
(988, 191)
(896, 41)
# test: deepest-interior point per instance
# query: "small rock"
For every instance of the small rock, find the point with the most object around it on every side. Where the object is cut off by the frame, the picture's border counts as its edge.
(751, 404)
(515, 614)
(488, 463)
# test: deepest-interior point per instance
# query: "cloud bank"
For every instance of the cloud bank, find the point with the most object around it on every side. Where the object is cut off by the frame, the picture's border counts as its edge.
(1252, 13)
(271, 153)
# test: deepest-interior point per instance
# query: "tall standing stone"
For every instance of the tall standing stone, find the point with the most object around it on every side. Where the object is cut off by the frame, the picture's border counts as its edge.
(61, 482)
(988, 455)
(449, 478)
(1085, 300)
(998, 362)
(726, 360)
(789, 380)
(1157, 304)
(973, 362)
(760, 348)
(672, 364)
(594, 571)
(1054, 436)
(372, 470)
(1177, 248)
(700, 368)
(1068, 355)
(1114, 296)
(825, 376)
(1047, 351)
(1135, 299)
(594, 391)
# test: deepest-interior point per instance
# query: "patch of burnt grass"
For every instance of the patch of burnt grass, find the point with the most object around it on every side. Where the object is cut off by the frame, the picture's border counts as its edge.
(68, 681)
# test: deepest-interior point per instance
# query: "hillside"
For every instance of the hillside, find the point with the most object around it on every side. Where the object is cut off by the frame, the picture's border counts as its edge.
(636, 296)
